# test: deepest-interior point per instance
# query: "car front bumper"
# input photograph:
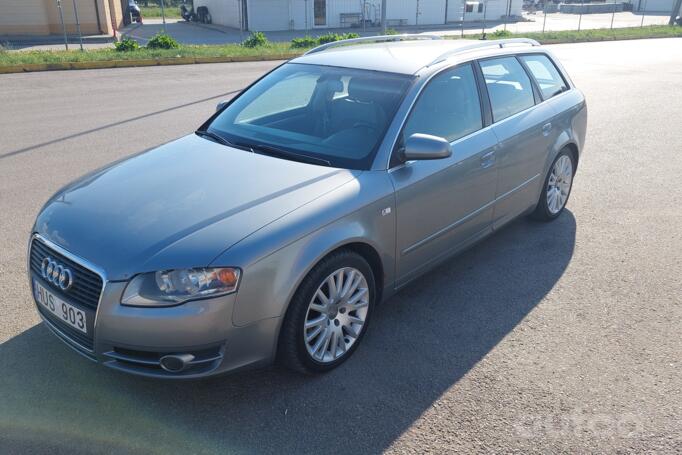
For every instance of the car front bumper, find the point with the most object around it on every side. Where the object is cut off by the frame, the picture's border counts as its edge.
(134, 340)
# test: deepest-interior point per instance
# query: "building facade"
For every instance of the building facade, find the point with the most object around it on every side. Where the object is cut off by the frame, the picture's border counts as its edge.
(41, 17)
(274, 15)
(654, 6)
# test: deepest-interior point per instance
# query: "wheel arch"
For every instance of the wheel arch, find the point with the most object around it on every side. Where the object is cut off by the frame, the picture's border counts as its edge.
(286, 347)
(274, 280)
(565, 141)
(371, 255)
(360, 246)
(573, 148)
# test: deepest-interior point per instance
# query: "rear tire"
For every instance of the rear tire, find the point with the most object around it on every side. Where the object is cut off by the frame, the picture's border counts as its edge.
(556, 188)
(323, 326)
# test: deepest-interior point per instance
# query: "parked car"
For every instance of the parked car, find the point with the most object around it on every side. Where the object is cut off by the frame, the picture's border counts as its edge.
(329, 184)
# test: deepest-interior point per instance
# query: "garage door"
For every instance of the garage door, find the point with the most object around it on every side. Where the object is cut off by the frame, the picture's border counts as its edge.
(223, 12)
(266, 15)
(455, 8)
(431, 12)
(658, 5)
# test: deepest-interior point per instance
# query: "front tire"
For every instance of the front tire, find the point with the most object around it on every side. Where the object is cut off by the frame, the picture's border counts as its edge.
(328, 315)
(557, 187)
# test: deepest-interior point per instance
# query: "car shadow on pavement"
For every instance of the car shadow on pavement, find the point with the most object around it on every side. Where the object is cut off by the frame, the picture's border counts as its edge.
(420, 344)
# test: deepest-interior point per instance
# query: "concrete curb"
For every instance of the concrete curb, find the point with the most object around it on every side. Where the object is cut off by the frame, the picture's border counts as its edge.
(28, 40)
(29, 68)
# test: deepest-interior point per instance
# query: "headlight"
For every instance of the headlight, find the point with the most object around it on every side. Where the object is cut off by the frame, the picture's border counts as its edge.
(172, 287)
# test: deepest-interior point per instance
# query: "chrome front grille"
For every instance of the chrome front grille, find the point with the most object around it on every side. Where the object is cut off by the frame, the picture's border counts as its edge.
(85, 292)
(87, 285)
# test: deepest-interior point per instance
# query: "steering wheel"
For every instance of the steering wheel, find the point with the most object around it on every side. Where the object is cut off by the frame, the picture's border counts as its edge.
(367, 125)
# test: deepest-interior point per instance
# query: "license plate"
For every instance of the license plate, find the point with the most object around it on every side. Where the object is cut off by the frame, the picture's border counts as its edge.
(64, 311)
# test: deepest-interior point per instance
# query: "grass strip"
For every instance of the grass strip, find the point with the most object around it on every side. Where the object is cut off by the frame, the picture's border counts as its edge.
(172, 12)
(583, 36)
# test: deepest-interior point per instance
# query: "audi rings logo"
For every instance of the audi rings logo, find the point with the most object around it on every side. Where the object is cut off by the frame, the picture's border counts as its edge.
(56, 273)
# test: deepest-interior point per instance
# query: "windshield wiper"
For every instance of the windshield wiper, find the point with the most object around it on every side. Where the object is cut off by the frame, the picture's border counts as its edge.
(264, 149)
(215, 137)
(221, 140)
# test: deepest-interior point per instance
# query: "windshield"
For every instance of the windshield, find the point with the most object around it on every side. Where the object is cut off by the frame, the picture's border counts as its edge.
(328, 114)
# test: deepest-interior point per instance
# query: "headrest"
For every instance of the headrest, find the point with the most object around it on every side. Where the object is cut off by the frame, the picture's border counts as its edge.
(335, 85)
(364, 89)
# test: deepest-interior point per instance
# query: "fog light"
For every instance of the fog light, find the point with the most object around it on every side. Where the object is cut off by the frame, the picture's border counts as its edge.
(175, 363)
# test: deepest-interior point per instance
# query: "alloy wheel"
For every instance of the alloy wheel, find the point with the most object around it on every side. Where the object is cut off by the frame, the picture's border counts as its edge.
(559, 184)
(336, 315)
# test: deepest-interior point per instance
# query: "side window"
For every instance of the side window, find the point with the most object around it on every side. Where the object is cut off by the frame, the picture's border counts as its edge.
(448, 106)
(546, 75)
(509, 86)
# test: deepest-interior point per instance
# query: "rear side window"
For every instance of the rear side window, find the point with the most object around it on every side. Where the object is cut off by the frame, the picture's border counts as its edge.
(448, 106)
(509, 86)
(546, 75)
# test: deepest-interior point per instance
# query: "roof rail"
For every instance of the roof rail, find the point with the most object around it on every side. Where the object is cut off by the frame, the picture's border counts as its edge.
(372, 39)
(481, 44)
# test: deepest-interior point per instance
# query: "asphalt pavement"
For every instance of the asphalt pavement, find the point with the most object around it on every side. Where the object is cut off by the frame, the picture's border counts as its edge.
(560, 337)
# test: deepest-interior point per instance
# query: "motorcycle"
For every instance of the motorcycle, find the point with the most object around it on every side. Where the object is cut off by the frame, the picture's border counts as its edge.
(187, 11)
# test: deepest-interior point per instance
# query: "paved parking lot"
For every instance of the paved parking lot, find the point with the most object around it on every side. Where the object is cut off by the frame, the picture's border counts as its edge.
(561, 337)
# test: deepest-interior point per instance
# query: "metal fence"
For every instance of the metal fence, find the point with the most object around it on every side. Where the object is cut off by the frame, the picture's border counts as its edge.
(465, 16)
(592, 15)
(285, 19)
(548, 16)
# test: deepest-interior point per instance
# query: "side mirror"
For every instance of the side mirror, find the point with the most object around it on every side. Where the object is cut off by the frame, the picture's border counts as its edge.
(221, 105)
(426, 147)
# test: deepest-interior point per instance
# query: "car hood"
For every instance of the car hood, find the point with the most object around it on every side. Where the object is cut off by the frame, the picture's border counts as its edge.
(179, 205)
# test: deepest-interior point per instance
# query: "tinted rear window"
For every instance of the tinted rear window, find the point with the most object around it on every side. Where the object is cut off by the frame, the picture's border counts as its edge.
(509, 86)
(546, 75)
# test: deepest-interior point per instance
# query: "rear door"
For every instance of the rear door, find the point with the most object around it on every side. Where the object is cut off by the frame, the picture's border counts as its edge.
(444, 204)
(524, 131)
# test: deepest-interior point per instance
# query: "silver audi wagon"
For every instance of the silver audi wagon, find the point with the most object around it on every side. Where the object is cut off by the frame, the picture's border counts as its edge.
(274, 231)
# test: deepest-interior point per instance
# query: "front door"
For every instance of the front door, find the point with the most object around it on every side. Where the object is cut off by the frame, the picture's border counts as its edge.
(443, 205)
(320, 12)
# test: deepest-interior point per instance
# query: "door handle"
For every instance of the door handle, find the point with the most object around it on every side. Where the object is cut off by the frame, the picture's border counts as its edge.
(546, 128)
(488, 159)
